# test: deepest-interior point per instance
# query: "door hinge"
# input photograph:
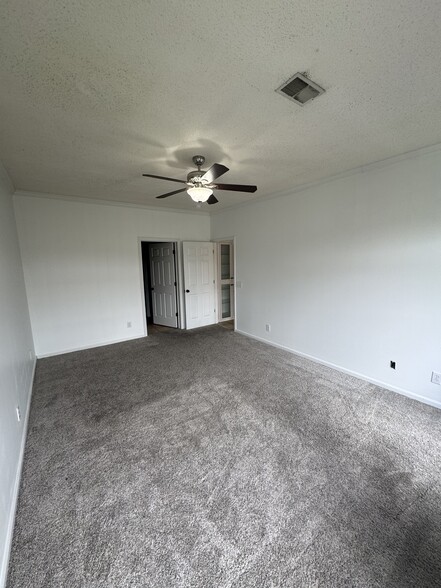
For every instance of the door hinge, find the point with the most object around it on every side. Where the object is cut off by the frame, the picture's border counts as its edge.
(174, 251)
(175, 284)
(176, 314)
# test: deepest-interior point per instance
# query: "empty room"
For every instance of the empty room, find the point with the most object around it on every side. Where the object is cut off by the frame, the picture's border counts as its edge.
(220, 286)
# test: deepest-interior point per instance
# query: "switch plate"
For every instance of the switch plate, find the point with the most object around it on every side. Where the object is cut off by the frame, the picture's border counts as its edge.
(268, 328)
(129, 324)
(17, 412)
(436, 378)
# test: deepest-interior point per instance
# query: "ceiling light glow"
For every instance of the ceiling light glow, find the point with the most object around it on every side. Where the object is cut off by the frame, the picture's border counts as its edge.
(200, 193)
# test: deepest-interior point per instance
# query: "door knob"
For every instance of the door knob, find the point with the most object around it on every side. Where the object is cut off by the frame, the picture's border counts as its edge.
(187, 291)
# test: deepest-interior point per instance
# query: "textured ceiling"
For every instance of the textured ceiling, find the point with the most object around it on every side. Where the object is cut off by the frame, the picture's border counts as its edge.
(96, 92)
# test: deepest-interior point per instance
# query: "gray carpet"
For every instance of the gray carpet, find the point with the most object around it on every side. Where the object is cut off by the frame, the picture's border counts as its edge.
(206, 459)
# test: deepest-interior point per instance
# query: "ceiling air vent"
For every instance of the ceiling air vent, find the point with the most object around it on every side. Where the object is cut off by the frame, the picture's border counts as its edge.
(300, 89)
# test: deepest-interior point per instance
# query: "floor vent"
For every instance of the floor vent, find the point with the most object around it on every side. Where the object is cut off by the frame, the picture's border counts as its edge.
(300, 89)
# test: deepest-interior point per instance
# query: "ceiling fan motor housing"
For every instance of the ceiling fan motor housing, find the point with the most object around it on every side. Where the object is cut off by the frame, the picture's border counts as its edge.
(195, 177)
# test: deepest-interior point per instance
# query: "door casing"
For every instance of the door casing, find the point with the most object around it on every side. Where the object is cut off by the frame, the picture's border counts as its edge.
(180, 276)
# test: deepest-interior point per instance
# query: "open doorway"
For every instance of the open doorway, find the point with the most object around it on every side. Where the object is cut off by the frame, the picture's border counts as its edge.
(159, 268)
(225, 281)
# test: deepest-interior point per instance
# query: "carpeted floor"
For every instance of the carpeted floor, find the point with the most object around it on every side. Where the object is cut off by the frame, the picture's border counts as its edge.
(208, 460)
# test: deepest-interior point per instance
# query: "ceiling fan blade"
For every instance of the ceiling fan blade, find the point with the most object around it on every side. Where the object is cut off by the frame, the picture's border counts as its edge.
(212, 199)
(214, 172)
(171, 193)
(164, 178)
(235, 187)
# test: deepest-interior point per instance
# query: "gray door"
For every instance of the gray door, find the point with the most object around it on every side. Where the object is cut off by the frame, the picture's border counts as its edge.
(163, 278)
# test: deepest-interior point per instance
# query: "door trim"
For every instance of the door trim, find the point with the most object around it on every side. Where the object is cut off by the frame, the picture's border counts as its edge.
(179, 278)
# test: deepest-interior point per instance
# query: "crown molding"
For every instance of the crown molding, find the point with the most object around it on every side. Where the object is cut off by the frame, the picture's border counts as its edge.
(117, 203)
(6, 178)
(382, 163)
(389, 161)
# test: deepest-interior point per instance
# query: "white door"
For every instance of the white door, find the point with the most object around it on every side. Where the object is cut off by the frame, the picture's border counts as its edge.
(163, 284)
(199, 284)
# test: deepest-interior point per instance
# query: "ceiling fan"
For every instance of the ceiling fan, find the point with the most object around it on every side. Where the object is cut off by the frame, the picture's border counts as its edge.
(200, 183)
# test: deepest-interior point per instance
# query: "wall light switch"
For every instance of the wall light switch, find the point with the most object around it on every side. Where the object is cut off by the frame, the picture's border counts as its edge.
(436, 378)
(17, 412)
(129, 324)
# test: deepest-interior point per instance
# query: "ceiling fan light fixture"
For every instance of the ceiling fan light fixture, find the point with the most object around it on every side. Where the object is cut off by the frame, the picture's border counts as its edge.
(201, 183)
(199, 193)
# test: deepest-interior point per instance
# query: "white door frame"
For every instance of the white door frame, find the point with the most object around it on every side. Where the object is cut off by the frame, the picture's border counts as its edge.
(179, 277)
(217, 241)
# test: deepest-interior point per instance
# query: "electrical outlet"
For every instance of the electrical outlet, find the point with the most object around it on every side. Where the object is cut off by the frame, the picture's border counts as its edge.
(129, 324)
(393, 365)
(18, 413)
(436, 378)
(268, 328)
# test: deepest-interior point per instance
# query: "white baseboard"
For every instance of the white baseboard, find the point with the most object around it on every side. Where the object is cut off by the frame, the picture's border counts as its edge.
(339, 368)
(13, 510)
(102, 344)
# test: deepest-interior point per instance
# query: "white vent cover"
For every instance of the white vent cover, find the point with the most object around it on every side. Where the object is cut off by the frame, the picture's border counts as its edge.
(300, 89)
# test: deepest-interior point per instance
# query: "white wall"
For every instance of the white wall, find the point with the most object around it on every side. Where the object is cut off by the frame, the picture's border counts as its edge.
(82, 267)
(349, 271)
(16, 367)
